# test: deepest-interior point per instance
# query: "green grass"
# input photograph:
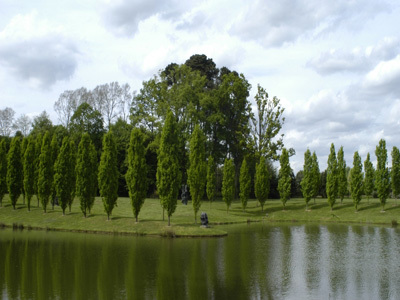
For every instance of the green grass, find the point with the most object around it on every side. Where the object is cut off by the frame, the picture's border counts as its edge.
(182, 221)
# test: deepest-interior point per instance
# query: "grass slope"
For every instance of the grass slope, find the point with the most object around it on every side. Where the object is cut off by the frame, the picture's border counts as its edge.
(151, 223)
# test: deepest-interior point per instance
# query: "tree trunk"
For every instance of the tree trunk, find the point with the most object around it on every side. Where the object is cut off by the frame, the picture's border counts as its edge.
(108, 217)
(169, 223)
(136, 217)
(163, 214)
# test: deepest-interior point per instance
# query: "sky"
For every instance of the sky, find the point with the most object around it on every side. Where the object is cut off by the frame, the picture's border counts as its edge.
(335, 65)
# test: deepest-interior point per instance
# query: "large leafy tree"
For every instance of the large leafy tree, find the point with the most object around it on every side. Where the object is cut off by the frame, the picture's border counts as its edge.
(228, 183)
(316, 175)
(356, 180)
(64, 179)
(168, 170)
(395, 172)
(369, 177)
(245, 183)
(45, 179)
(86, 174)
(136, 176)
(341, 173)
(262, 182)
(108, 174)
(307, 186)
(3, 170)
(29, 171)
(284, 182)
(14, 170)
(197, 173)
(211, 179)
(382, 182)
(332, 177)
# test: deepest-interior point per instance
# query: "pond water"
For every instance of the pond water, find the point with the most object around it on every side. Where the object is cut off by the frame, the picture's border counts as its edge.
(257, 261)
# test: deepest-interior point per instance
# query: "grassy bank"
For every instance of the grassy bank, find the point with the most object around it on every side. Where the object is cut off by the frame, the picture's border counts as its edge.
(151, 223)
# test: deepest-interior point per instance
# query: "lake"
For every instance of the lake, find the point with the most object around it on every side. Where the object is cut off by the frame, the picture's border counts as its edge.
(255, 261)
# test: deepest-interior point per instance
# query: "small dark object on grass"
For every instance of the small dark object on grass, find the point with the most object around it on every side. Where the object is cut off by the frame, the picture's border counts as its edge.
(204, 219)
(394, 223)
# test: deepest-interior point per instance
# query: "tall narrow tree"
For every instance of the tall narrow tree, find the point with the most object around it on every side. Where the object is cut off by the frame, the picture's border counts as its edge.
(316, 176)
(38, 149)
(85, 174)
(29, 171)
(395, 173)
(332, 178)
(24, 145)
(3, 170)
(284, 181)
(63, 174)
(14, 170)
(341, 172)
(45, 180)
(108, 174)
(211, 179)
(54, 153)
(261, 182)
(369, 177)
(307, 186)
(72, 175)
(228, 183)
(382, 173)
(168, 171)
(245, 183)
(136, 176)
(356, 180)
(197, 173)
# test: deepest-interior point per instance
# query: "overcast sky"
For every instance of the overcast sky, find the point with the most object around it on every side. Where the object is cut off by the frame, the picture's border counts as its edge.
(335, 65)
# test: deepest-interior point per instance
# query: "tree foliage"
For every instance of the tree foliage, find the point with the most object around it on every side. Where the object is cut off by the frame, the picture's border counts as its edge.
(245, 183)
(332, 177)
(307, 184)
(262, 182)
(284, 182)
(54, 149)
(211, 179)
(45, 179)
(316, 176)
(395, 172)
(197, 173)
(356, 180)
(3, 170)
(29, 171)
(382, 182)
(136, 176)
(14, 171)
(228, 183)
(369, 177)
(341, 173)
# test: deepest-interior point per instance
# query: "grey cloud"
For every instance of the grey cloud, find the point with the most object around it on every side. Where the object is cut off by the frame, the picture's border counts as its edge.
(47, 59)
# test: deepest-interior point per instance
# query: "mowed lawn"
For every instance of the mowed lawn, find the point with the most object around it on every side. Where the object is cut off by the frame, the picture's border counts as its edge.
(182, 221)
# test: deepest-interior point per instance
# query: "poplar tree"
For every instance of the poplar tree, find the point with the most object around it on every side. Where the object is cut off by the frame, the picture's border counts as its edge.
(72, 175)
(316, 176)
(38, 149)
(395, 173)
(29, 171)
(211, 179)
(245, 183)
(261, 182)
(307, 183)
(356, 180)
(85, 174)
(45, 179)
(168, 169)
(332, 178)
(54, 153)
(284, 181)
(382, 183)
(228, 183)
(24, 145)
(197, 173)
(14, 170)
(3, 170)
(64, 179)
(136, 176)
(341, 172)
(369, 177)
(108, 174)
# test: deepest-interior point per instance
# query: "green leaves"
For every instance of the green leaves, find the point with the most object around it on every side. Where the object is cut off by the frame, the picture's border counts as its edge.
(284, 182)
(369, 177)
(341, 172)
(382, 182)
(3, 170)
(245, 183)
(45, 179)
(228, 183)
(356, 180)
(14, 170)
(29, 171)
(261, 182)
(307, 184)
(395, 172)
(211, 179)
(332, 177)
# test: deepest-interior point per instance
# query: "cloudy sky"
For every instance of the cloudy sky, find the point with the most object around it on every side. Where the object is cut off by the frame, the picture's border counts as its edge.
(335, 65)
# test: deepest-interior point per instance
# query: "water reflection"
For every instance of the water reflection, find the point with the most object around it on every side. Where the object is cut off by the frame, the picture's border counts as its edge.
(254, 261)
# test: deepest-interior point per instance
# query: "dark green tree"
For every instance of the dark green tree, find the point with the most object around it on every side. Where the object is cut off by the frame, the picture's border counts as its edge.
(108, 174)
(29, 171)
(307, 184)
(136, 176)
(316, 176)
(356, 180)
(395, 173)
(38, 149)
(262, 182)
(332, 178)
(211, 179)
(284, 182)
(228, 183)
(168, 170)
(245, 183)
(369, 177)
(14, 171)
(86, 174)
(64, 169)
(382, 182)
(24, 145)
(54, 153)
(197, 173)
(45, 180)
(72, 176)
(3, 170)
(341, 172)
